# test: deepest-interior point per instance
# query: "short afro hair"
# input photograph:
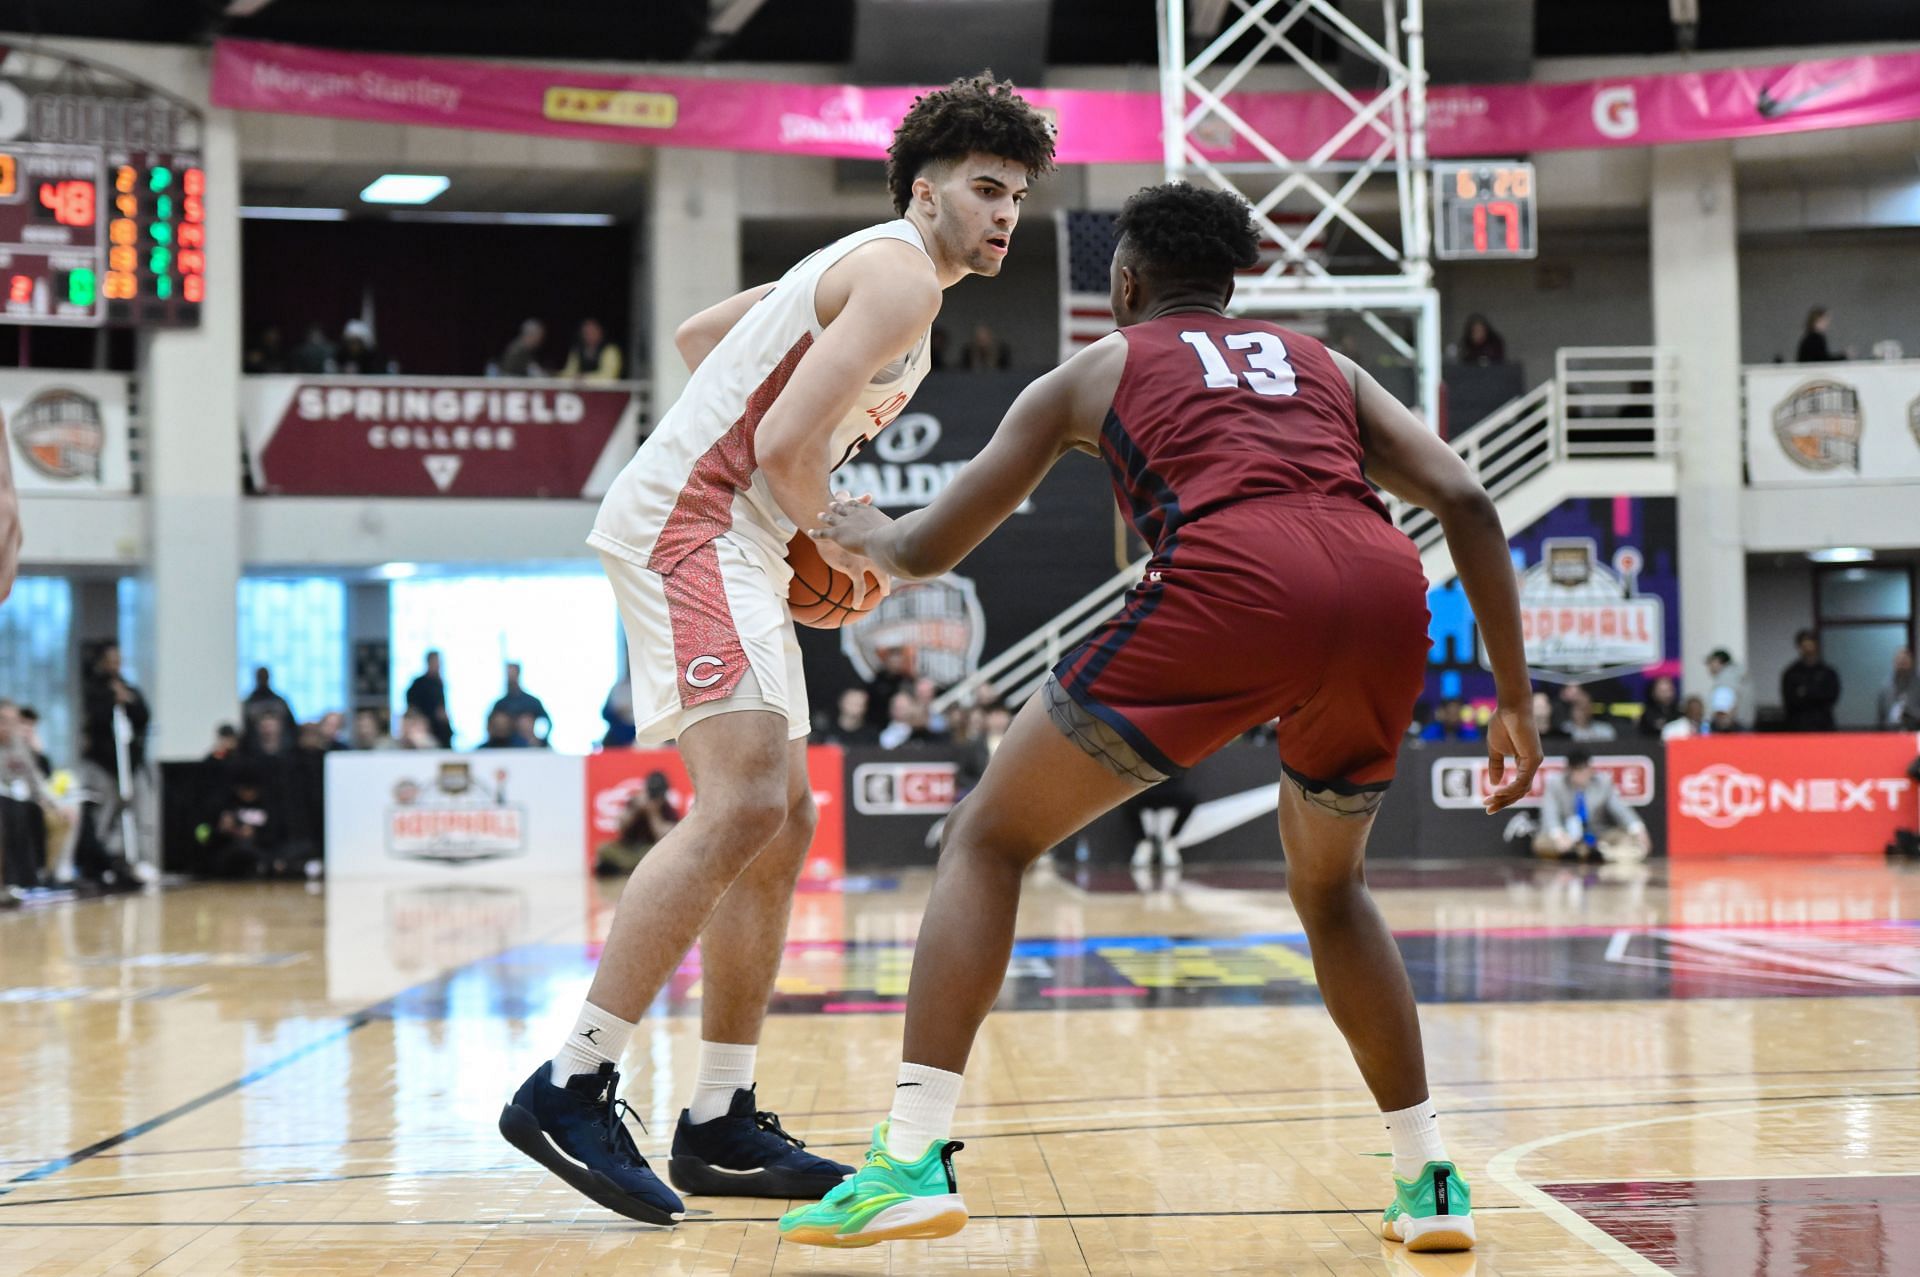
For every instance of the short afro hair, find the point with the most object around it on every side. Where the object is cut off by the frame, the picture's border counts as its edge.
(1188, 234)
(974, 113)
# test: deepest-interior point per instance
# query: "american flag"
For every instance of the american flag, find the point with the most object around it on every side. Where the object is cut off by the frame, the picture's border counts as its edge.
(1086, 253)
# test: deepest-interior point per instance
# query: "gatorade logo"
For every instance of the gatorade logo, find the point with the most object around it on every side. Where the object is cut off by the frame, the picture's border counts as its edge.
(1616, 112)
(697, 676)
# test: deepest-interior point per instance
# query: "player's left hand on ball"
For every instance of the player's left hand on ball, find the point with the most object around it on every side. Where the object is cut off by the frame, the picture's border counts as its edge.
(858, 568)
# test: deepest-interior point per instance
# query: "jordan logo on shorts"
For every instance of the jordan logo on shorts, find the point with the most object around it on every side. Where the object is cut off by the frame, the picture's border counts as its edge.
(705, 671)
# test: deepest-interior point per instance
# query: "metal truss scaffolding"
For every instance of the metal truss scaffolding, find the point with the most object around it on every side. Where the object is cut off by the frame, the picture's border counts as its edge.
(1301, 200)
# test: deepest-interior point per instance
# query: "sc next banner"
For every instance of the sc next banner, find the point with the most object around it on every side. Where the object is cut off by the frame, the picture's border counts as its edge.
(1842, 793)
(614, 776)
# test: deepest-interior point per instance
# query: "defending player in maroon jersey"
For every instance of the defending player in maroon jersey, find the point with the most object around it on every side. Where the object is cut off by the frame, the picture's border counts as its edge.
(1277, 589)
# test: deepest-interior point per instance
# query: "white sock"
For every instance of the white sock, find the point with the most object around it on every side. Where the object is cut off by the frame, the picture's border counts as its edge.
(725, 1067)
(598, 1037)
(1416, 1139)
(923, 1104)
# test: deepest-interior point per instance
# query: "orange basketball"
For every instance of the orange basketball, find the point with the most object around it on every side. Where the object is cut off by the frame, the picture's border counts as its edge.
(819, 595)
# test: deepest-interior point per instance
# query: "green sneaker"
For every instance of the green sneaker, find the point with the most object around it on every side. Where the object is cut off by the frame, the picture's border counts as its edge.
(886, 1200)
(1434, 1212)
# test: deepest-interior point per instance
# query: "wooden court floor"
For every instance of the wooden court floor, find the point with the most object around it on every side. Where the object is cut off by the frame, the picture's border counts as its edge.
(1687, 1069)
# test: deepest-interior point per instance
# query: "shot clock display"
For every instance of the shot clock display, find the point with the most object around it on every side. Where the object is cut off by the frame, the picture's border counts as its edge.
(50, 250)
(1484, 209)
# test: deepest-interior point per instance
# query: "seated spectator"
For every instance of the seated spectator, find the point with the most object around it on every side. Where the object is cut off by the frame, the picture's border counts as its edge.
(528, 728)
(517, 703)
(973, 764)
(1582, 815)
(268, 353)
(850, 725)
(357, 354)
(1897, 707)
(416, 732)
(907, 723)
(333, 728)
(28, 804)
(501, 733)
(1480, 344)
(593, 357)
(1813, 339)
(226, 744)
(618, 711)
(1692, 721)
(270, 739)
(1661, 707)
(1450, 723)
(315, 354)
(985, 352)
(926, 691)
(895, 672)
(247, 839)
(262, 703)
(1809, 688)
(370, 730)
(1543, 719)
(1582, 723)
(521, 358)
(1730, 705)
(649, 814)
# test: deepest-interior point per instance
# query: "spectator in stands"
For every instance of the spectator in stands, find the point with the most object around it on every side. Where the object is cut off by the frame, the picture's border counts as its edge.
(268, 353)
(263, 703)
(417, 732)
(926, 691)
(1692, 722)
(1582, 815)
(907, 723)
(649, 814)
(226, 744)
(357, 354)
(986, 738)
(984, 351)
(1450, 722)
(521, 358)
(333, 730)
(9, 525)
(1730, 704)
(1897, 707)
(518, 703)
(1583, 724)
(1480, 344)
(1662, 706)
(501, 733)
(528, 727)
(940, 349)
(849, 725)
(246, 838)
(370, 730)
(270, 737)
(1543, 719)
(593, 357)
(427, 695)
(895, 672)
(618, 711)
(315, 354)
(27, 803)
(1813, 339)
(1809, 687)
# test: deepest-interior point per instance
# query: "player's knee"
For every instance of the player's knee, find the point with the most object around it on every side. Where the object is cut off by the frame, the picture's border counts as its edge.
(747, 818)
(802, 815)
(974, 831)
(1324, 889)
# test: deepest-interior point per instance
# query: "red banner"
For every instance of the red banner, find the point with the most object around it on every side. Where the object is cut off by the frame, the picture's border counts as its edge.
(426, 437)
(614, 775)
(1793, 795)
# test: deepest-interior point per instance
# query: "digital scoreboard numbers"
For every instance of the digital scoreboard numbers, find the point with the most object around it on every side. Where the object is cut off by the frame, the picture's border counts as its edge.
(102, 198)
(1484, 209)
(51, 257)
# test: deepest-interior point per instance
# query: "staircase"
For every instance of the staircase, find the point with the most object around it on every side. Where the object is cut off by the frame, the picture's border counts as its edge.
(1603, 427)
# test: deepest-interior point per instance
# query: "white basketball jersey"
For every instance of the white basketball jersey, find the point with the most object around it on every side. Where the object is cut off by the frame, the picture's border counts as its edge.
(695, 477)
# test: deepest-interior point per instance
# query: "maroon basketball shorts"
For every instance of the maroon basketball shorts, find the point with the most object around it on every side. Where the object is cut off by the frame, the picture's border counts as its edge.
(1306, 609)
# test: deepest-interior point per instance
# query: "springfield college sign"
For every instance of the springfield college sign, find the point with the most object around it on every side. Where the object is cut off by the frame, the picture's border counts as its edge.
(424, 437)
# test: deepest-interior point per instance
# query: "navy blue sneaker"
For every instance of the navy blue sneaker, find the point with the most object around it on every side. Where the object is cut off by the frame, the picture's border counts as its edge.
(576, 1132)
(747, 1154)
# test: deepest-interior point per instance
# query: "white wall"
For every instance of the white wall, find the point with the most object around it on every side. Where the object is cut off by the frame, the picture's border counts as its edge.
(1869, 279)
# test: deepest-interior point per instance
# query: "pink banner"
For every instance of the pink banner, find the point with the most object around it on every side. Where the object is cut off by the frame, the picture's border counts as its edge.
(1095, 127)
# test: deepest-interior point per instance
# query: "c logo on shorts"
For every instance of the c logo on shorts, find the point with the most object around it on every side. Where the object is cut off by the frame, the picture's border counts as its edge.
(695, 679)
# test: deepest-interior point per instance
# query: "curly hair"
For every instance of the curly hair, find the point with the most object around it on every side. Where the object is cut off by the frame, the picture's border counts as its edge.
(1188, 234)
(974, 113)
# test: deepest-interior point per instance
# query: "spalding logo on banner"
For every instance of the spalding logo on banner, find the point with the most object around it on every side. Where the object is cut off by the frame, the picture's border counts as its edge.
(456, 818)
(1819, 426)
(938, 624)
(61, 433)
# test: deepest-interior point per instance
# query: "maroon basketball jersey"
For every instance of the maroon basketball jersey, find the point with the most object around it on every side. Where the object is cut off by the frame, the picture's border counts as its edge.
(1213, 410)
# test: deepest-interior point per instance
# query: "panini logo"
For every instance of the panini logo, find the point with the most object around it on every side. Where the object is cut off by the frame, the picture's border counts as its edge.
(1819, 426)
(61, 433)
(1464, 784)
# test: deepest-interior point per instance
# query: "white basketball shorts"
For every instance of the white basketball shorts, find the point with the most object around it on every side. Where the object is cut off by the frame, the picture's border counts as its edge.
(711, 637)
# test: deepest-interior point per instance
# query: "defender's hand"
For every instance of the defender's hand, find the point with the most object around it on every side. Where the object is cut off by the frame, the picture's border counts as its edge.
(851, 525)
(1511, 732)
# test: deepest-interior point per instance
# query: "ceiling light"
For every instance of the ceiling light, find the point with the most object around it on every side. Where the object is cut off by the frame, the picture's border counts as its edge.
(1842, 554)
(285, 213)
(404, 188)
(396, 571)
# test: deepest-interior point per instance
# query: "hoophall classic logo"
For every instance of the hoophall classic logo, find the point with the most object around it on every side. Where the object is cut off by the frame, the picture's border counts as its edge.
(1819, 426)
(61, 434)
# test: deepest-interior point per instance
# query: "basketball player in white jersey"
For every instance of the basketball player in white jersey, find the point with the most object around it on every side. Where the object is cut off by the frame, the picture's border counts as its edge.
(789, 380)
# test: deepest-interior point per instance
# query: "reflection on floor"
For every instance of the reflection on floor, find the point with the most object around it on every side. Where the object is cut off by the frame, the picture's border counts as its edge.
(1698, 1069)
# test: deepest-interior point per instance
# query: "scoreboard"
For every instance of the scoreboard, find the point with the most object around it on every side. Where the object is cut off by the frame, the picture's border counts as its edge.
(102, 206)
(1484, 209)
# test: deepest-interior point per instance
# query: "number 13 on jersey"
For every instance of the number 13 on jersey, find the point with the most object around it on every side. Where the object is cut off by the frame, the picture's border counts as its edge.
(1267, 371)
